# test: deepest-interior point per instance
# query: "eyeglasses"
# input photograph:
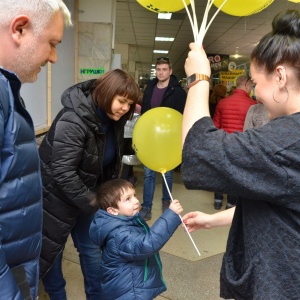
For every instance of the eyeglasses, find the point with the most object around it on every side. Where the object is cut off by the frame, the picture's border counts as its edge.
(165, 58)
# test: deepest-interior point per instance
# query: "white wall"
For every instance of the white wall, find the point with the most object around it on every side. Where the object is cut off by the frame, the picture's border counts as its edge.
(96, 11)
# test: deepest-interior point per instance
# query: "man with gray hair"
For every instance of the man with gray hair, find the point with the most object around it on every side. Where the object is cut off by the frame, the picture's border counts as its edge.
(30, 30)
(230, 116)
(231, 111)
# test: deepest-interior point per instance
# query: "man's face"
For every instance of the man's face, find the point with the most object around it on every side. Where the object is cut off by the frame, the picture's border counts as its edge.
(36, 51)
(163, 72)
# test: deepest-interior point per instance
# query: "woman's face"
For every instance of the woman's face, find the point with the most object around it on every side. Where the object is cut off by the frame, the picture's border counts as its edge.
(119, 107)
(266, 85)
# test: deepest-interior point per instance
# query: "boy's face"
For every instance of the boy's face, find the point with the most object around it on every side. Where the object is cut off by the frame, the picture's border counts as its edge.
(129, 205)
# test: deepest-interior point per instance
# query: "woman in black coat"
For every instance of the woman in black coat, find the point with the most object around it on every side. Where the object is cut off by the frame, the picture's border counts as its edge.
(83, 148)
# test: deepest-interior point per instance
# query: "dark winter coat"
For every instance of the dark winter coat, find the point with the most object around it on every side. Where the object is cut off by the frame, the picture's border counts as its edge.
(262, 259)
(20, 191)
(71, 162)
(131, 266)
(174, 96)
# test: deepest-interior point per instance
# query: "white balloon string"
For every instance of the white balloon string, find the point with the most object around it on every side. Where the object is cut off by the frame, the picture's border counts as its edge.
(186, 230)
(194, 29)
(213, 17)
(195, 19)
(199, 35)
(204, 21)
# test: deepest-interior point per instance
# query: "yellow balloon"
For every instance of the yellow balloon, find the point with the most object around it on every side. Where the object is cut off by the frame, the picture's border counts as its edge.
(157, 139)
(244, 7)
(163, 6)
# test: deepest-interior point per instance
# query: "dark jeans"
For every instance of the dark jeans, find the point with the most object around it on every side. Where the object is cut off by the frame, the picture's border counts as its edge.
(89, 255)
(127, 171)
(149, 187)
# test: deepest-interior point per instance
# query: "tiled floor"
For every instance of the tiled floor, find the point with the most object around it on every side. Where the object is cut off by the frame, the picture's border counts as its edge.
(188, 275)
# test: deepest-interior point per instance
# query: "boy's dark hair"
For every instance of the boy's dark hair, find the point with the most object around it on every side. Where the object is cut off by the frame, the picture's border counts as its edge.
(109, 193)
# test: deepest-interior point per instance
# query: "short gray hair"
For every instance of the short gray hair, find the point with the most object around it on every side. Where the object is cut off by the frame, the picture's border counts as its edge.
(40, 12)
(241, 80)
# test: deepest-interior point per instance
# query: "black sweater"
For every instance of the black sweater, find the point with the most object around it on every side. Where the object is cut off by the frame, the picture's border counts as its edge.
(262, 166)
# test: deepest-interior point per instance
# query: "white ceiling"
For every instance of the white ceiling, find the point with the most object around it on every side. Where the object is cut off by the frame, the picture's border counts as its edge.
(138, 27)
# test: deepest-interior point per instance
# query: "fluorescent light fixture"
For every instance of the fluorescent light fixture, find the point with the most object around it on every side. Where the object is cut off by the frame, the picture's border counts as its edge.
(166, 16)
(161, 51)
(153, 65)
(164, 39)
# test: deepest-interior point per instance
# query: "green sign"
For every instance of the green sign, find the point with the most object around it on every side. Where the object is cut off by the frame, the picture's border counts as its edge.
(92, 71)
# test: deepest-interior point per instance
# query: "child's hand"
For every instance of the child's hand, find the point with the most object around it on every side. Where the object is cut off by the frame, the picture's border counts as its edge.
(176, 207)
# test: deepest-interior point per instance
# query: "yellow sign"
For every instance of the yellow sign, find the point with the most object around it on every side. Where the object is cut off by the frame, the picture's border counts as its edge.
(230, 76)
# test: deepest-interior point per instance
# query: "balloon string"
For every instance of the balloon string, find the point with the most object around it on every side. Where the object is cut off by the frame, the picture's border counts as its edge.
(194, 28)
(199, 35)
(213, 17)
(186, 230)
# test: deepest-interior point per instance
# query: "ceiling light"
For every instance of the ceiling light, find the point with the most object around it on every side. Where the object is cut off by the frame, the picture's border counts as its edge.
(236, 52)
(161, 51)
(166, 16)
(164, 39)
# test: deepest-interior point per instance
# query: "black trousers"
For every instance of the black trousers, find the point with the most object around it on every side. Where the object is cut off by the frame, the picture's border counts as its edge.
(230, 199)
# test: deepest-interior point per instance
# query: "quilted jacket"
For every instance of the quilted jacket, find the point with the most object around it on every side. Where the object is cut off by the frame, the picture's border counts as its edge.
(20, 191)
(131, 266)
(71, 162)
(231, 111)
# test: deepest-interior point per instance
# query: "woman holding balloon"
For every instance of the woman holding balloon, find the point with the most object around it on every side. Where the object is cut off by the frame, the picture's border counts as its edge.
(261, 165)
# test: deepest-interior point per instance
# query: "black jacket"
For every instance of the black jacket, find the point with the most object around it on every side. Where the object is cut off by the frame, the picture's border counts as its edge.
(71, 164)
(174, 97)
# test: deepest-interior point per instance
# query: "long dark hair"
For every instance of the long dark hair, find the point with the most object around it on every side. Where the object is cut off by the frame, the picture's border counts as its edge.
(281, 45)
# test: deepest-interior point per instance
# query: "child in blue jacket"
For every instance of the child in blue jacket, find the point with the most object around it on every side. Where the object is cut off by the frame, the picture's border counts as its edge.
(130, 267)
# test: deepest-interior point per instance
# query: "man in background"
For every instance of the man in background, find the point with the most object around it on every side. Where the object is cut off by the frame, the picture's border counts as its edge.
(162, 91)
(230, 115)
(30, 30)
